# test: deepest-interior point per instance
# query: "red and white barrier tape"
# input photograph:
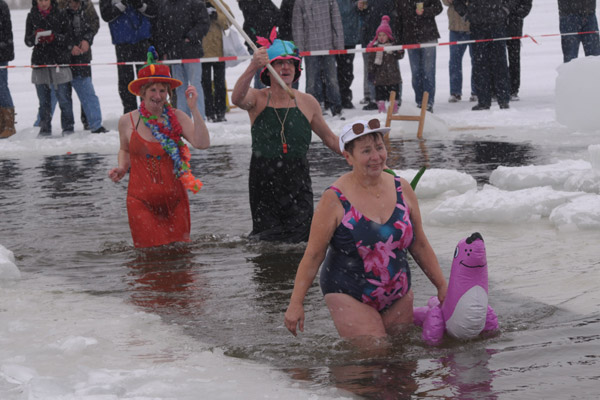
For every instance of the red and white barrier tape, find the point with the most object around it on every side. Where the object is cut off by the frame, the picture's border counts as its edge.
(314, 53)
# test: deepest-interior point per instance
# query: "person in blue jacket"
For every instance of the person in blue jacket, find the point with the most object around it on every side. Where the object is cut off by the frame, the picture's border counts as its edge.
(130, 30)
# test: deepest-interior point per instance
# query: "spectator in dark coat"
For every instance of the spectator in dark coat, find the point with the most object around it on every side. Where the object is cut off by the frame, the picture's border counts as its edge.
(520, 9)
(47, 31)
(260, 16)
(488, 20)
(371, 13)
(7, 53)
(84, 26)
(578, 16)
(345, 62)
(130, 30)
(178, 32)
(418, 26)
(286, 12)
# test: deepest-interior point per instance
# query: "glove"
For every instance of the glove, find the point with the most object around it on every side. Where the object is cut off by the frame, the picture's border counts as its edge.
(212, 13)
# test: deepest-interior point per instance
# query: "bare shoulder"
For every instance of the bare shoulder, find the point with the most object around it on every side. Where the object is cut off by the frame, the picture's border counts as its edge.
(307, 104)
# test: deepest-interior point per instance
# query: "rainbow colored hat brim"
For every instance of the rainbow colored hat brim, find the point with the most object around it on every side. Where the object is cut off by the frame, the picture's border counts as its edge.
(153, 73)
(282, 50)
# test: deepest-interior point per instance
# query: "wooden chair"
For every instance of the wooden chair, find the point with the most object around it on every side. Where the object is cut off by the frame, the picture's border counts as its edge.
(421, 118)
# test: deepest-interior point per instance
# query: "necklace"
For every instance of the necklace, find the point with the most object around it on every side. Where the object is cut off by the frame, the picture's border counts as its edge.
(366, 188)
(282, 132)
(168, 134)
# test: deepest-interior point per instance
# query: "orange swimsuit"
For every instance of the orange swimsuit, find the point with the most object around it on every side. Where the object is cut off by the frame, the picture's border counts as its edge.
(157, 203)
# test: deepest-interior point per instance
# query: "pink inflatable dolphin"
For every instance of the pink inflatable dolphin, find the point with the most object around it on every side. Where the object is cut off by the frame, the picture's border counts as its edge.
(465, 312)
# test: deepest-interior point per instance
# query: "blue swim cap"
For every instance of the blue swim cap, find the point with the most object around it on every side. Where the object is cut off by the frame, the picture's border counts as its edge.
(282, 50)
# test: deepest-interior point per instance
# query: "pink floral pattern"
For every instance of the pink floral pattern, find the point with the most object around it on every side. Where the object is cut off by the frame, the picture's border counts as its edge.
(382, 249)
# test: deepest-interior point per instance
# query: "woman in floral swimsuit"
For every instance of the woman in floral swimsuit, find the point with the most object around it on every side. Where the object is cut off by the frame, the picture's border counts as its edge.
(368, 219)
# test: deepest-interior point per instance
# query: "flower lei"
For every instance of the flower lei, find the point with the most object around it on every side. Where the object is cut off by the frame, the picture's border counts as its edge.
(168, 134)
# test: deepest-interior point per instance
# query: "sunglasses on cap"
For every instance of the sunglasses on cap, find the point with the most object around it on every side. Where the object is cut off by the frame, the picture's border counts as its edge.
(359, 128)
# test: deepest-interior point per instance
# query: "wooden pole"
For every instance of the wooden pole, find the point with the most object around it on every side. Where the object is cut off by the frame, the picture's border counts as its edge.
(274, 73)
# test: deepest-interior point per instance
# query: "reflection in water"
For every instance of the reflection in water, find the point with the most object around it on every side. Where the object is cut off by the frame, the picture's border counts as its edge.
(64, 175)
(9, 176)
(467, 375)
(274, 275)
(164, 281)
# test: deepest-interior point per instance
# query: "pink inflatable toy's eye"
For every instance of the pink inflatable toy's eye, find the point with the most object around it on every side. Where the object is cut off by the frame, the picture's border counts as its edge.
(456, 252)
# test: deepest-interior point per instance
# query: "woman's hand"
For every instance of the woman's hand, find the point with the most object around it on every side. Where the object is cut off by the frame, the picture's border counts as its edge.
(191, 97)
(441, 295)
(260, 58)
(294, 317)
(116, 174)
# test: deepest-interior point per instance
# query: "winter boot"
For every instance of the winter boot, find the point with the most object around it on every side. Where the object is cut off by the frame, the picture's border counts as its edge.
(396, 106)
(8, 122)
(381, 106)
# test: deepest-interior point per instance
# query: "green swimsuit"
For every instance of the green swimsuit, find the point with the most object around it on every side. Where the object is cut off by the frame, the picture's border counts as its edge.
(281, 198)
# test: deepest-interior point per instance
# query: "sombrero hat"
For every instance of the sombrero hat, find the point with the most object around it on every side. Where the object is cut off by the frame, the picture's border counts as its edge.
(153, 72)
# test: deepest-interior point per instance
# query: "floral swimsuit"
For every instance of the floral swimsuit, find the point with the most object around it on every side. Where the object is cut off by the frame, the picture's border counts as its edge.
(367, 260)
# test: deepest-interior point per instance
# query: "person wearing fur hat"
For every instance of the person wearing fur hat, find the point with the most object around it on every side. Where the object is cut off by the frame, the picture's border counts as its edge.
(383, 68)
(152, 146)
(281, 198)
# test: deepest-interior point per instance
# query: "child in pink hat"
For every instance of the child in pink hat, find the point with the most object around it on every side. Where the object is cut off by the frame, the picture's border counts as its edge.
(383, 69)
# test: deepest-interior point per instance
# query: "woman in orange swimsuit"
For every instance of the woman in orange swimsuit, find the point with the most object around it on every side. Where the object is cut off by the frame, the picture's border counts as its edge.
(152, 146)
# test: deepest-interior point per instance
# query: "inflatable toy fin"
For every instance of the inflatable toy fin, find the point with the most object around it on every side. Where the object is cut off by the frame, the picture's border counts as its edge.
(491, 321)
(415, 180)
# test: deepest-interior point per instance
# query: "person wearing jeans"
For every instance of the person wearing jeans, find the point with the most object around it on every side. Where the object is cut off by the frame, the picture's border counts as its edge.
(459, 32)
(316, 65)
(578, 16)
(65, 102)
(7, 53)
(419, 27)
(422, 67)
(178, 33)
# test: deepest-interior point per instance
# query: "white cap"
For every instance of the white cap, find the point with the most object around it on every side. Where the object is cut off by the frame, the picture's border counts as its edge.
(348, 133)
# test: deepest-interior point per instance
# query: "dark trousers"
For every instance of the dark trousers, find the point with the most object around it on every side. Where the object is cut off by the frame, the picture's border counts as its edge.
(345, 74)
(514, 64)
(214, 98)
(126, 73)
(490, 64)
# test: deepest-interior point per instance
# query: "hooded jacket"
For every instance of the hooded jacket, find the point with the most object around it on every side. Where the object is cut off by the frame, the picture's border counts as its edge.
(82, 27)
(177, 21)
(260, 16)
(57, 51)
(128, 25)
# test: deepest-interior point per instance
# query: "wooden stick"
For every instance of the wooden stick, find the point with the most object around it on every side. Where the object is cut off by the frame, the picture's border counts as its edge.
(274, 73)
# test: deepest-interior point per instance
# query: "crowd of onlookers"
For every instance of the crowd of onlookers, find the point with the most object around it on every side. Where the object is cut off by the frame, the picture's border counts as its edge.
(62, 32)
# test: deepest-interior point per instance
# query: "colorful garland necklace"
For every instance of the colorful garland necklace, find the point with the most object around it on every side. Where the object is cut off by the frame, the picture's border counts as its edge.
(168, 134)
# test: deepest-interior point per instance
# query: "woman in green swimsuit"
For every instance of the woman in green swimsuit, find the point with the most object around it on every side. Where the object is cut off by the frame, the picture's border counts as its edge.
(281, 198)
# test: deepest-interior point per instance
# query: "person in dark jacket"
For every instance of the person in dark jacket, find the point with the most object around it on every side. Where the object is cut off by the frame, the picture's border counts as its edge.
(286, 12)
(578, 16)
(345, 62)
(130, 31)
(83, 29)
(371, 13)
(178, 31)
(514, 27)
(260, 16)
(47, 31)
(487, 19)
(418, 26)
(7, 53)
